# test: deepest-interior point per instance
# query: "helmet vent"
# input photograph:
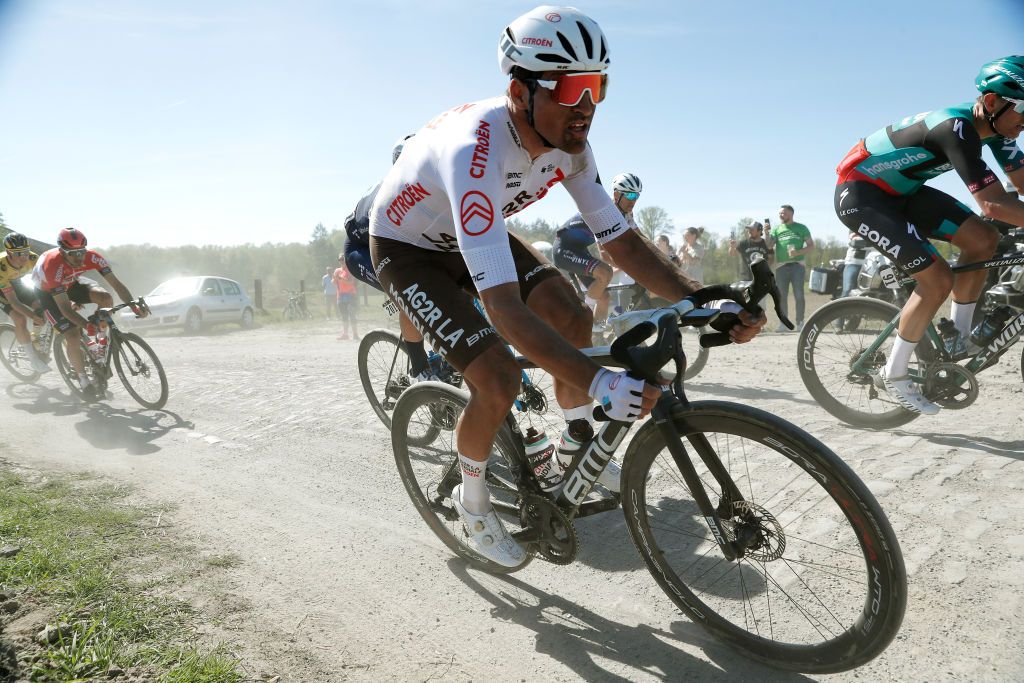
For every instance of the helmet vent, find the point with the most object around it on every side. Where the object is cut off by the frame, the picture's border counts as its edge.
(604, 51)
(587, 42)
(567, 46)
(553, 58)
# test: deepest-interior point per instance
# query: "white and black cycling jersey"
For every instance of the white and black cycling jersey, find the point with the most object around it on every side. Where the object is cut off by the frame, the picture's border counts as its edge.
(464, 173)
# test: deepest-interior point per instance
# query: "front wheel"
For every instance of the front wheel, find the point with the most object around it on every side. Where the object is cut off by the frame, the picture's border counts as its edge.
(140, 371)
(821, 586)
(383, 371)
(430, 470)
(13, 356)
(839, 373)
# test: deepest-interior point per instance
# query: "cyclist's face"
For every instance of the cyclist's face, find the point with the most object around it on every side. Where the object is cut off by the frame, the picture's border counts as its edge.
(1011, 124)
(625, 205)
(74, 257)
(565, 127)
(17, 258)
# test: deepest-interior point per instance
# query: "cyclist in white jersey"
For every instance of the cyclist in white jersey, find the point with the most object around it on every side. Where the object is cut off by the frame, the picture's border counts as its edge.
(437, 234)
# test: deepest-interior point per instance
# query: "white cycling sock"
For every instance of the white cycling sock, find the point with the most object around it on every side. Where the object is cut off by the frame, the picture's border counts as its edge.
(899, 358)
(83, 380)
(29, 350)
(962, 315)
(475, 496)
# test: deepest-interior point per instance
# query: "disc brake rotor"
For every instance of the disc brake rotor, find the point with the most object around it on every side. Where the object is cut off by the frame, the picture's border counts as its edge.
(757, 531)
(950, 386)
(558, 541)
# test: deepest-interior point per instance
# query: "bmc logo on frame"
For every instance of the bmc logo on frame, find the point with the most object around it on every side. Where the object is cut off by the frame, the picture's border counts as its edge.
(476, 212)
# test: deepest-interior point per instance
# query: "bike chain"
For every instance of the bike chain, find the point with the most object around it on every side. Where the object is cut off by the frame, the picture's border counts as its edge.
(559, 543)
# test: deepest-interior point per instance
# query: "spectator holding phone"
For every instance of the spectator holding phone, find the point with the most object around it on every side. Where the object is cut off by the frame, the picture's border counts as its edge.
(791, 242)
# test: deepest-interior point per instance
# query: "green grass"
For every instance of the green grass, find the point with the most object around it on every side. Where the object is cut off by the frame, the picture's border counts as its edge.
(80, 544)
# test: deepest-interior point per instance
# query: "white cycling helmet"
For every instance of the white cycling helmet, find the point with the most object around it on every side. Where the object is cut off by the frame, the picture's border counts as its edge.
(550, 38)
(627, 182)
(397, 151)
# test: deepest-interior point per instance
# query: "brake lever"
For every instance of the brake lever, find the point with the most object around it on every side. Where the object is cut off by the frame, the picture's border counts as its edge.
(764, 283)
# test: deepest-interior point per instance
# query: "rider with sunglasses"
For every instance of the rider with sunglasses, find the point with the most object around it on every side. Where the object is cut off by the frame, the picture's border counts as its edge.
(881, 195)
(18, 300)
(437, 234)
(571, 249)
(56, 277)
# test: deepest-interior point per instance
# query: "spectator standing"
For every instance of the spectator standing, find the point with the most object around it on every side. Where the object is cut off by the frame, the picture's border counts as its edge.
(852, 264)
(330, 292)
(753, 243)
(666, 248)
(791, 242)
(691, 254)
(346, 285)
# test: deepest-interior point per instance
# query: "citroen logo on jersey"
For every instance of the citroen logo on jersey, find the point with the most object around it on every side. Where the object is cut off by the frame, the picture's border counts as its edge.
(843, 195)
(958, 128)
(477, 213)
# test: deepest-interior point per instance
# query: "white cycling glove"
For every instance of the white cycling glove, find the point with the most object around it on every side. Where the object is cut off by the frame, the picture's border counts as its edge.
(619, 394)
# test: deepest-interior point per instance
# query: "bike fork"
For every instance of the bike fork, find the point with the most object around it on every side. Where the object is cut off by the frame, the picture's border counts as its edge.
(662, 415)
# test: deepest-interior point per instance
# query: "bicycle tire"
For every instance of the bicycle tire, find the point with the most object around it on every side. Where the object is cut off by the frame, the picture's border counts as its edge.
(825, 357)
(127, 348)
(12, 357)
(828, 589)
(423, 469)
(383, 371)
(67, 372)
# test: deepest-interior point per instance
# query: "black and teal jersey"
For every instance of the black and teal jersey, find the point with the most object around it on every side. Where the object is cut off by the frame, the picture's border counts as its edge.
(902, 157)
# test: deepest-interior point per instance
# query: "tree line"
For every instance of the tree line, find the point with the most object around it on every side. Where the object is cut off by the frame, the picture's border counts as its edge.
(283, 266)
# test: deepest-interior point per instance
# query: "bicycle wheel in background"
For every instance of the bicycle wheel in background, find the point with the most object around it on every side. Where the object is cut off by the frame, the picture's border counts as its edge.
(140, 370)
(383, 371)
(13, 357)
(826, 357)
(430, 471)
(822, 585)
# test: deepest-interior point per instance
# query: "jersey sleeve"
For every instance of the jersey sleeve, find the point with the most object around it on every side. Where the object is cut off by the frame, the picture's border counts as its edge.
(472, 177)
(597, 208)
(962, 146)
(1007, 153)
(93, 261)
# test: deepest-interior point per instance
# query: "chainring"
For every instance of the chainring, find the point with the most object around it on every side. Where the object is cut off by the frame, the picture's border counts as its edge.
(950, 385)
(558, 543)
(756, 530)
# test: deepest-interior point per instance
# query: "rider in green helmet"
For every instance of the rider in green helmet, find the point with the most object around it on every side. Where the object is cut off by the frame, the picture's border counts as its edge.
(882, 196)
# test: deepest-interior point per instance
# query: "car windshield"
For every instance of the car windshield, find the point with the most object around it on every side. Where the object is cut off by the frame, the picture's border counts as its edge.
(179, 286)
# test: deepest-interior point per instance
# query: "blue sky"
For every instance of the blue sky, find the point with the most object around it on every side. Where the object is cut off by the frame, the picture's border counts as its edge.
(224, 122)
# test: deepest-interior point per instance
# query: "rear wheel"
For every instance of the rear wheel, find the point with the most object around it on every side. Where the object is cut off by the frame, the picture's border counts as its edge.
(383, 371)
(827, 353)
(821, 585)
(13, 357)
(60, 359)
(140, 371)
(430, 470)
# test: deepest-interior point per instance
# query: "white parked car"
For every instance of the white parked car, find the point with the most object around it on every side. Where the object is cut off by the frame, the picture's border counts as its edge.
(192, 302)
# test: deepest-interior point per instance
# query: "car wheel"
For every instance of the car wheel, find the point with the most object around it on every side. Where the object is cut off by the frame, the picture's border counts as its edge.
(193, 321)
(247, 319)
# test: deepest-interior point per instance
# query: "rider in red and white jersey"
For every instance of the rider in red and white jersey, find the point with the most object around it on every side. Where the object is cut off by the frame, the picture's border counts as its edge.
(437, 233)
(56, 277)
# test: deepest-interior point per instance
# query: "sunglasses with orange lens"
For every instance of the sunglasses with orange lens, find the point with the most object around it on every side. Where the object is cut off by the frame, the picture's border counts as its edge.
(569, 89)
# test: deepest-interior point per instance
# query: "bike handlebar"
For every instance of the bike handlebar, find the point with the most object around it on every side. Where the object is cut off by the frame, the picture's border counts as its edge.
(646, 362)
(108, 312)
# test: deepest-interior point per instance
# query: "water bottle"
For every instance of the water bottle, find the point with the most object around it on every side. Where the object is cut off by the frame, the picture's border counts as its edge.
(950, 335)
(540, 453)
(101, 344)
(990, 326)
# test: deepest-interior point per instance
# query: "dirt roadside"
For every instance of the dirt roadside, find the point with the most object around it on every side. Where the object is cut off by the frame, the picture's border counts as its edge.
(271, 454)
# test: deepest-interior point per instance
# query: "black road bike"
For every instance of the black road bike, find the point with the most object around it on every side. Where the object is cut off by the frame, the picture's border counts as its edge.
(840, 366)
(752, 527)
(132, 358)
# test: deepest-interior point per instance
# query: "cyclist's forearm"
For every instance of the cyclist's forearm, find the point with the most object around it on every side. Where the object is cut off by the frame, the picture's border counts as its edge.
(1009, 210)
(650, 267)
(536, 340)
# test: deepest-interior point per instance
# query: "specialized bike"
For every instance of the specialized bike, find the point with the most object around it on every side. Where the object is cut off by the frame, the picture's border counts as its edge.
(296, 309)
(752, 527)
(840, 366)
(132, 358)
